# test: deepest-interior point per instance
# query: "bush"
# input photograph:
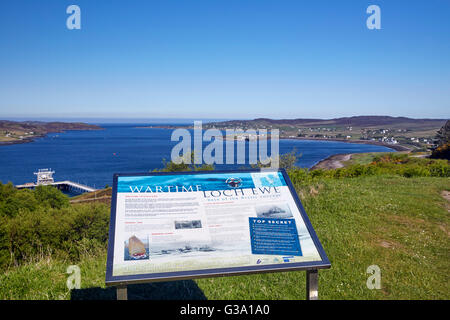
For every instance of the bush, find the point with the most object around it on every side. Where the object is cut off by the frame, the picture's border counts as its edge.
(440, 168)
(34, 223)
(186, 164)
(391, 158)
(50, 196)
(53, 231)
(18, 201)
(12, 201)
(286, 161)
(390, 164)
(415, 171)
(442, 152)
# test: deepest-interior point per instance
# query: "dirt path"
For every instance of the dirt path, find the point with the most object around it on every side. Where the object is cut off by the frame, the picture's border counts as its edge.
(446, 195)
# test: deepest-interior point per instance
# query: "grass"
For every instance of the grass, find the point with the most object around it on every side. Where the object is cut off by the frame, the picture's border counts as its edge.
(369, 157)
(400, 224)
(365, 158)
(103, 195)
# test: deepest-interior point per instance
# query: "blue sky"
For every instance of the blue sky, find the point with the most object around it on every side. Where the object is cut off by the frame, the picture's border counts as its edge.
(224, 59)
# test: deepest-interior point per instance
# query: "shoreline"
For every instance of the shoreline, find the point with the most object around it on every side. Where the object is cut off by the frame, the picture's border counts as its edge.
(396, 147)
(26, 140)
(332, 162)
(335, 161)
(33, 138)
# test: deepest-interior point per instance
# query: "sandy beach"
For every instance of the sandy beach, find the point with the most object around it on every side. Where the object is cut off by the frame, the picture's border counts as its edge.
(332, 162)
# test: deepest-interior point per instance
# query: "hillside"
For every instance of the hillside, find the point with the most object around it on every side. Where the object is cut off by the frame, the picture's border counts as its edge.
(360, 221)
(356, 121)
(390, 211)
(396, 132)
(25, 131)
(103, 196)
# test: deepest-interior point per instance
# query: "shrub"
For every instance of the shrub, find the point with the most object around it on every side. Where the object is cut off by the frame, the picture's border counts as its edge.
(415, 171)
(391, 158)
(186, 164)
(442, 152)
(41, 221)
(50, 196)
(55, 231)
(286, 161)
(440, 168)
(17, 201)
(393, 164)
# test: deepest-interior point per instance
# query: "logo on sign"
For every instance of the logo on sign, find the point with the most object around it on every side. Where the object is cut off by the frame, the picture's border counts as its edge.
(234, 182)
(287, 259)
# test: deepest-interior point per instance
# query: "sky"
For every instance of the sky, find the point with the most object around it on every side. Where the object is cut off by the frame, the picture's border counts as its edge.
(233, 59)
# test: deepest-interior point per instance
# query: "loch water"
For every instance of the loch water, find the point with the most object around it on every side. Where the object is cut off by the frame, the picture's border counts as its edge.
(92, 157)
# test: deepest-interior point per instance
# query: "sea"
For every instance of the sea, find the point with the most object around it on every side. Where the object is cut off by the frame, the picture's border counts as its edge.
(92, 157)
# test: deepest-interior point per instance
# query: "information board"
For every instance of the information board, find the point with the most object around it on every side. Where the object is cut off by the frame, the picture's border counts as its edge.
(172, 226)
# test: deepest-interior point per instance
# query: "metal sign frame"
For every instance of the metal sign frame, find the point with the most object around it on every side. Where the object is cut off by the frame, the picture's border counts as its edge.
(122, 281)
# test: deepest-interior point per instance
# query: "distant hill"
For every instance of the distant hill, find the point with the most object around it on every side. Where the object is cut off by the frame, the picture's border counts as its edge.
(39, 126)
(356, 121)
(395, 132)
(25, 131)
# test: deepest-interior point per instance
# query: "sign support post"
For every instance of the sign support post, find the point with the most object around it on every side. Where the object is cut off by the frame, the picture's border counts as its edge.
(122, 293)
(312, 284)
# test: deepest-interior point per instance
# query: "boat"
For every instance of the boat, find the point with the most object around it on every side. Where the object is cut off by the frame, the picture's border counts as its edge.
(136, 248)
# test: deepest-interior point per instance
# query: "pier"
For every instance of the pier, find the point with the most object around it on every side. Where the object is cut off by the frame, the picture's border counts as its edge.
(45, 177)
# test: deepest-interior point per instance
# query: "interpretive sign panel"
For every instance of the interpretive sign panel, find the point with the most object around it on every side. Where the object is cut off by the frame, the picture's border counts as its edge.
(171, 226)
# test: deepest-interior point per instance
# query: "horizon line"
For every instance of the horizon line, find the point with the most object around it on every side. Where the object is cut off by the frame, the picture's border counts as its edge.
(177, 119)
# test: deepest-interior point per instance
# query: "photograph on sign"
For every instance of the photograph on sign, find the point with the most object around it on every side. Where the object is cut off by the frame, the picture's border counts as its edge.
(202, 221)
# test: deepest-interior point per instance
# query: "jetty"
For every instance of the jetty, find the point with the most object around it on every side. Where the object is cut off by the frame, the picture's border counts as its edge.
(45, 178)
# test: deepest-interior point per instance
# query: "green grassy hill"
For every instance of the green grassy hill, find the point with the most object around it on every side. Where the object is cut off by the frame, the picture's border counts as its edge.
(394, 217)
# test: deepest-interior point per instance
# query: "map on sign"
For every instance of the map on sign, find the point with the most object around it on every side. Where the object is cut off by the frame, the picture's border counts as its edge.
(185, 225)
